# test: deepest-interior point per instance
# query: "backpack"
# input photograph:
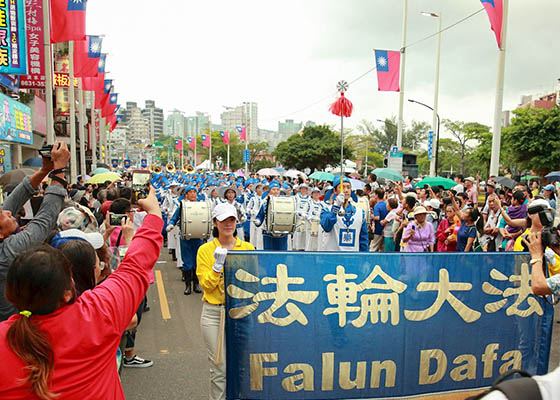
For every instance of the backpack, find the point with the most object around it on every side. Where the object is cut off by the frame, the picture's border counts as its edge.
(476, 246)
(525, 388)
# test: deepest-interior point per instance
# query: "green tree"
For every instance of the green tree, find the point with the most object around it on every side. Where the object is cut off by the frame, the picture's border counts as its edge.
(382, 140)
(464, 132)
(317, 147)
(534, 139)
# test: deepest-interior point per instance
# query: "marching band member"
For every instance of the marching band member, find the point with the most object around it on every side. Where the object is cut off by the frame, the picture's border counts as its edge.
(230, 195)
(270, 241)
(168, 207)
(253, 208)
(189, 247)
(302, 205)
(313, 217)
(344, 224)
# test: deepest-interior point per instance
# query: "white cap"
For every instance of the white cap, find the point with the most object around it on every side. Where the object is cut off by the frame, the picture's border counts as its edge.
(94, 238)
(296, 187)
(303, 185)
(223, 211)
(315, 189)
(434, 203)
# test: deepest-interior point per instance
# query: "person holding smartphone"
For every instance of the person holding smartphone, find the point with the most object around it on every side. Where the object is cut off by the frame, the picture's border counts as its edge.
(419, 235)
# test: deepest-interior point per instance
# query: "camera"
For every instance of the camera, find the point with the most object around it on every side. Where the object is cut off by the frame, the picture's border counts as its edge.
(549, 233)
(115, 219)
(45, 151)
(550, 236)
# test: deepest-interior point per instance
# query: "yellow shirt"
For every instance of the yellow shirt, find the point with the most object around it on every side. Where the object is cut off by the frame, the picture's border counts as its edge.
(553, 264)
(212, 283)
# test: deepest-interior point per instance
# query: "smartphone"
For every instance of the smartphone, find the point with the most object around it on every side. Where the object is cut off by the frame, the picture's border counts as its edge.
(115, 219)
(45, 151)
(413, 227)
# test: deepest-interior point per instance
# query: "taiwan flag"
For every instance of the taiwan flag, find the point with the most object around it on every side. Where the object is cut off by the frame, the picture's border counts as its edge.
(242, 130)
(388, 64)
(178, 144)
(495, 10)
(87, 54)
(225, 136)
(113, 98)
(107, 85)
(191, 142)
(206, 140)
(102, 62)
(68, 20)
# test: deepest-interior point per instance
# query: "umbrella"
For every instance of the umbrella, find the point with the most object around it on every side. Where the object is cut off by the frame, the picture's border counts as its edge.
(15, 175)
(529, 177)
(437, 181)
(100, 170)
(389, 174)
(357, 185)
(356, 175)
(322, 176)
(294, 173)
(268, 172)
(347, 170)
(553, 176)
(505, 181)
(33, 162)
(239, 172)
(101, 178)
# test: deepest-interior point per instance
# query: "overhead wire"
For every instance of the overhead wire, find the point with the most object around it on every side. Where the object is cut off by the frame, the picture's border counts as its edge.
(375, 67)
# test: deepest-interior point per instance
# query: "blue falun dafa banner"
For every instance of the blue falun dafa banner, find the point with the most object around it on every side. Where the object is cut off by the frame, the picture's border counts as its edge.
(341, 326)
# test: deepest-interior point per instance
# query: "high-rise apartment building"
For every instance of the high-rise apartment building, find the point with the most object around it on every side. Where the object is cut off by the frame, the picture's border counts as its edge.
(175, 124)
(288, 128)
(198, 124)
(154, 116)
(245, 114)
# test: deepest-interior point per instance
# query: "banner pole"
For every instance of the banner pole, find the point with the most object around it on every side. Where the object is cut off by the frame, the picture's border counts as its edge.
(48, 72)
(228, 158)
(93, 133)
(497, 126)
(72, 116)
(81, 130)
(401, 84)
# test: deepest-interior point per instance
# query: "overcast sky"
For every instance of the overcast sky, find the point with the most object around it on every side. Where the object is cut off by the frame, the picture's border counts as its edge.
(286, 55)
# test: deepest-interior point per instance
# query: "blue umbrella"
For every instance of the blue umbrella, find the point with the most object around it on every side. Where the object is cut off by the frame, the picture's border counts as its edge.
(553, 176)
(33, 162)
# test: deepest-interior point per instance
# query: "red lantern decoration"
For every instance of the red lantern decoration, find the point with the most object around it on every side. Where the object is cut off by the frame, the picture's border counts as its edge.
(342, 106)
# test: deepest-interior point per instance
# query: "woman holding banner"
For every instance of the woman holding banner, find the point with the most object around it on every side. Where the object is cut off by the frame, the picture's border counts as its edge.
(210, 265)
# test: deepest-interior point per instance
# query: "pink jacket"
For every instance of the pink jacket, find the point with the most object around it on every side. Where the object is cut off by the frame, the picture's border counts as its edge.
(85, 335)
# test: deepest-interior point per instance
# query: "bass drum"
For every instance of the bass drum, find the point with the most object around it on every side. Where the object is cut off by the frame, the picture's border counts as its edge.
(363, 203)
(281, 215)
(196, 219)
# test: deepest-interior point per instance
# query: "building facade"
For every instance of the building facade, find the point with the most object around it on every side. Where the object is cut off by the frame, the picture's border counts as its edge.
(246, 114)
(154, 115)
(175, 124)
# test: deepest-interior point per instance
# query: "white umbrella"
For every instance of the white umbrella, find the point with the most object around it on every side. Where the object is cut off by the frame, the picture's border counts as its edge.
(268, 172)
(294, 173)
(357, 185)
(347, 170)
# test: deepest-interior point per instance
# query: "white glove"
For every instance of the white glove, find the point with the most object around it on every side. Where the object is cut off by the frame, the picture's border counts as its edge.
(339, 199)
(220, 258)
(170, 228)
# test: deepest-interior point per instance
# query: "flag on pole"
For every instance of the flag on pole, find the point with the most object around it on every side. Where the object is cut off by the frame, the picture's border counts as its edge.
(68, 20)
(178, 144)
(113, 98)
(87, 54)
(388, 64)
(495, 10)
(225, 136)
(191, 142)
(206, 140)
(242, 130)
(107, 85)
(102, 61)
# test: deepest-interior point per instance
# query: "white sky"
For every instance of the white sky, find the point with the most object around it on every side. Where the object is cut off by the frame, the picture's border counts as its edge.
(285, 55)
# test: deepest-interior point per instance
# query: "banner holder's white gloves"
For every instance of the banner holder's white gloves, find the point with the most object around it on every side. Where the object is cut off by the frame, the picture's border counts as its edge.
(170, 228)
(220, 255)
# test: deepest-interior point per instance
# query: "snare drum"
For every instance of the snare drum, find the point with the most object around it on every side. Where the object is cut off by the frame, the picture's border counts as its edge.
(281, 215)
(314, 227)
(196, 219)
(363, 203)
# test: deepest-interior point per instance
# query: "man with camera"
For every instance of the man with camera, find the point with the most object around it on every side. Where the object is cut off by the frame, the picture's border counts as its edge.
(12, 240)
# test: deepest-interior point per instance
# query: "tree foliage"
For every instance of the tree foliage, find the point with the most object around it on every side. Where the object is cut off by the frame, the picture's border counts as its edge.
(317, 147)
(534, 139)
(382, 140)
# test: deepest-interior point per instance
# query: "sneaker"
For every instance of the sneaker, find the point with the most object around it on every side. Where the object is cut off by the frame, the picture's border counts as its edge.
(137, 362)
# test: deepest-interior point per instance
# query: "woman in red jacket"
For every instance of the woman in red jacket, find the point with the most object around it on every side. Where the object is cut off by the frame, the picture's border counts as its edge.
(446, 234)
(65, 345)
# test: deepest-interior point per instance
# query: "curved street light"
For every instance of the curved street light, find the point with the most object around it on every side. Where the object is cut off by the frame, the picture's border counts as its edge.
(437, 133)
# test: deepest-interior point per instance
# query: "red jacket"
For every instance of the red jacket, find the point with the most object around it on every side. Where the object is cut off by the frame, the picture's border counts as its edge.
(85, 335)
(441, 236)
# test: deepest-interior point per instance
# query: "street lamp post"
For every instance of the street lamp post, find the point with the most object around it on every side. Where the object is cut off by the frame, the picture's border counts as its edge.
(437, 134)
(436, 85)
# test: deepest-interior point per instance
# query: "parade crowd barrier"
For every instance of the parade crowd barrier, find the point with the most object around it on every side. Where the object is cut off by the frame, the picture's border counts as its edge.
(355, 325)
